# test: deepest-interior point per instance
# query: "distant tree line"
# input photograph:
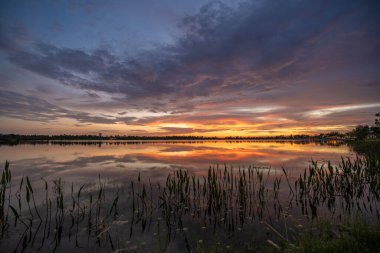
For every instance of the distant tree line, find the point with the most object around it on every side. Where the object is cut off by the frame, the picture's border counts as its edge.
(16, 138)
(363, 132)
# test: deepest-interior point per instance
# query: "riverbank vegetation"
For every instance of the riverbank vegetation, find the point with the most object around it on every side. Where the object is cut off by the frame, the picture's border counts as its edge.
(318, 236)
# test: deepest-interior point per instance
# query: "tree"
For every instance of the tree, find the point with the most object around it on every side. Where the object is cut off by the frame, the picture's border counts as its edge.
(376, 128)
(361, 132)
(377, 120)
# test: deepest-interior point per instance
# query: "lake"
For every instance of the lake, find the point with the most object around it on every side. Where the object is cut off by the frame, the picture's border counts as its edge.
(80, 162)
(117, 195)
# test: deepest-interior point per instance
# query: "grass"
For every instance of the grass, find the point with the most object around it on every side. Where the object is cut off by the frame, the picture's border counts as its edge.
(353, 184)
(322, 236)
(366, 147)
(43, 225)
(326, 236)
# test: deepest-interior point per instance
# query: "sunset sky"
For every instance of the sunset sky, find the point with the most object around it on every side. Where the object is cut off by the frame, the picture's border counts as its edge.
(176, 67)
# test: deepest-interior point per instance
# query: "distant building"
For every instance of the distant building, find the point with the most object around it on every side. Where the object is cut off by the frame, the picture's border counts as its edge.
(371, 134)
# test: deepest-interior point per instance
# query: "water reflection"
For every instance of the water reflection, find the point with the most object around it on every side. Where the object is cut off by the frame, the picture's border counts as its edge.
(119, 210)
(81, 161)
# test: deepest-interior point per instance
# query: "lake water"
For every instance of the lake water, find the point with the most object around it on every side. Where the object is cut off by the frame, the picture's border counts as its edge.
(81, 162)
(150, 218)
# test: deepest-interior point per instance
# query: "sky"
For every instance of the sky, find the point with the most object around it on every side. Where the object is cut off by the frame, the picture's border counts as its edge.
(177, 67)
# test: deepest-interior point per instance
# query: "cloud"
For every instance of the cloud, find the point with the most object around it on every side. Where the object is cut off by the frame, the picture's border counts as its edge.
(28, 108)
(272, 60)
(13, 37)
(221, 50)
(338, 109)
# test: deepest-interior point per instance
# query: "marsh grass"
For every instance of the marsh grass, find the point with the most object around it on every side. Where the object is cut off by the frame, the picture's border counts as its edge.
(322, 236)
(353, 184)
(328, 236)
(369, 148)
(43, 225)
(318, 236)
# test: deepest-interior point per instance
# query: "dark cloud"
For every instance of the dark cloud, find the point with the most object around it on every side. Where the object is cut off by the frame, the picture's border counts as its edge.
(28, 108)
(255, 47)
(92, 94)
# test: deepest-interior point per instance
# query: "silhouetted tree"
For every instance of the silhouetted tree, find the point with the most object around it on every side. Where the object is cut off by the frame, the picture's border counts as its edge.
(376, 128)
(361, 132)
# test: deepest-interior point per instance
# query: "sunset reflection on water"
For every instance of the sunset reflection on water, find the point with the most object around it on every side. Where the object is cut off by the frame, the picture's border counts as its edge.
(84, 161)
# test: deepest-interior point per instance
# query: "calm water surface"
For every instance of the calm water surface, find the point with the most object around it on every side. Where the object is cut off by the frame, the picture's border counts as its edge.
(151, 226)
(84, 161)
